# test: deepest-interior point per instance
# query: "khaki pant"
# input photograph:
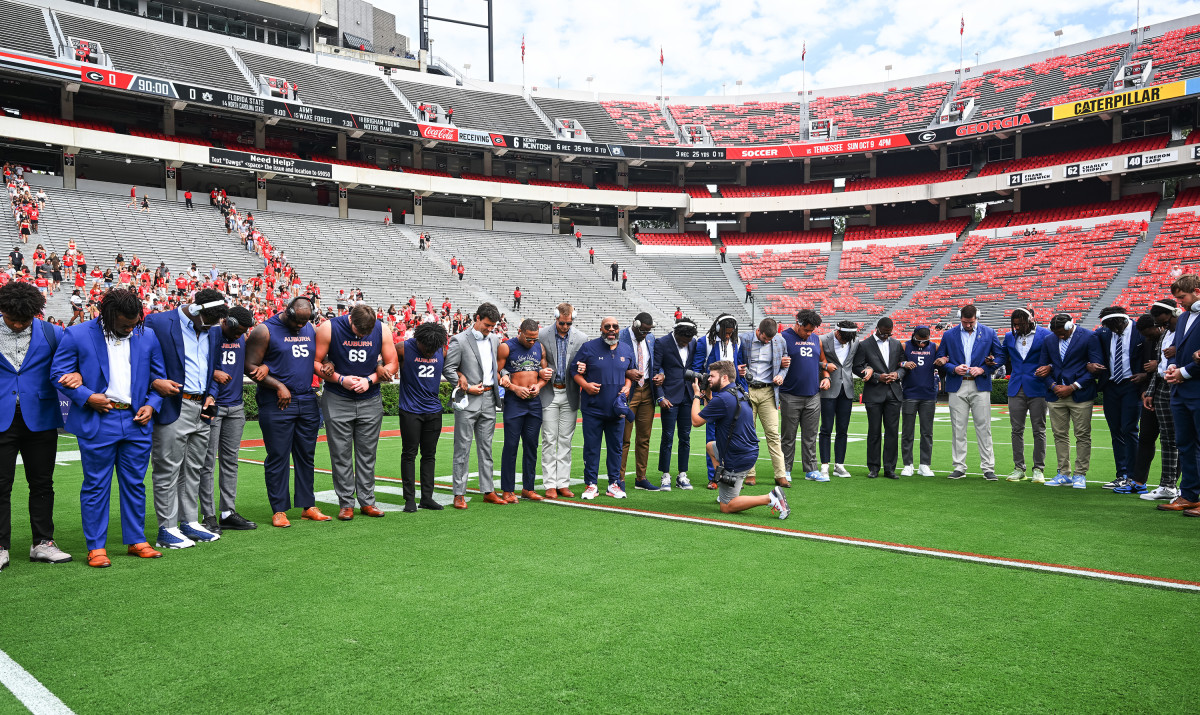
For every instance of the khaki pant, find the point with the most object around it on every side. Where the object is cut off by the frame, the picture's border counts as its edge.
(970, 402)
(1064, 414)
(762, 399)
(641, 401)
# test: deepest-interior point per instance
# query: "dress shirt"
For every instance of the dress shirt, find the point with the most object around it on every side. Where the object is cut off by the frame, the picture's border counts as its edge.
(120, 372)
(14, 345)
(485, 358)
(683, 358)
(561, 343)
(968, 343)
(884, 352)
(1024, 343)
(1167, 341)
(1120, 368)
(195, 355)
(760, 361)
(727, 349)
(842, 350)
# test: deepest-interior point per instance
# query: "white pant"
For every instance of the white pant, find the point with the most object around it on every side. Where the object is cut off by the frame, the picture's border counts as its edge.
(558, 429)
(969, 400)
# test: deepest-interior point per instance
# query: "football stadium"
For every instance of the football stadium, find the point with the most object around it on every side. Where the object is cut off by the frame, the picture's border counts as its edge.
(859, 397)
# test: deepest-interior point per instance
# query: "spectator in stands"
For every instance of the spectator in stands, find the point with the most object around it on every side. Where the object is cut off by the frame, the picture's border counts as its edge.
(461, 271)
(453, 264)
(77, 303)
(920, 400)
(1073, 392)
(471, 366)
(387, 217)
(1143, 228)
(615, 270)
(1121, 377)
(517, 298)
(132, 197)
(145, 204)
(964, 352)
(624, 279)
(187, 199)
(749, 293)
(721, 250)
(16, 258)
(579, 239)
(450, 115)
(591, 255)
(1021, 356)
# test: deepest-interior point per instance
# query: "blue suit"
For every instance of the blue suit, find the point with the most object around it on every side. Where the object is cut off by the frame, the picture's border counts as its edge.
(1020, 370)
(952, 347)
(1122, 400)
(1072, 369)
(112, 439)
(38, 393)
(704, 356)
(166, 327)
(1185, 406)
(679, 391)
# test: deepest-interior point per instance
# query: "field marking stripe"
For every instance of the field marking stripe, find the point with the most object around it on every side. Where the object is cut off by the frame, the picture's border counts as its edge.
(32, 694)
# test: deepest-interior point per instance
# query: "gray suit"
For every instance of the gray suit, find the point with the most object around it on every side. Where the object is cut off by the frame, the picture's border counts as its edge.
(559, 408)
(478, 420)
(842, 379)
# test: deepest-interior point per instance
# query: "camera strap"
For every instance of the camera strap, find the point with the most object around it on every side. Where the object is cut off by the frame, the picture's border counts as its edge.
(738, 398)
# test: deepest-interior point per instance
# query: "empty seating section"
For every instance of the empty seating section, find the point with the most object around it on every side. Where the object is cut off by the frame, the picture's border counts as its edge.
(1187, 198)
(484, 177)
(701, 279)
(145, 134)
(691, 238)
(38, 117)
(733, 191)
(875, 113)
(328, 87)
(1063, 271)
(694, 190)
(643, 122)
(892, 182)
(595, 119)
(1130, 146)
(1177, 246)
(934, 228)
(786, 282)
(426, 172)
(24, 28)
(1174, 54)
(165, 56)
(559, 184)
(473, 108)
(1056, 80)
(343, 162)
(888, 272)
(773, 238)
(748, 122)
(1138, 203)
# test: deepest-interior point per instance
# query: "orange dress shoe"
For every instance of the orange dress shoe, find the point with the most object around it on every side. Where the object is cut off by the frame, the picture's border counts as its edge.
(460, 501)
(510, 498)
(712, 485)
(551, 494)
(346, 513)
(314, 514)
(530, 495)
(143, 551)
(564, 492)
(750, 482)
(1178, 504)
(280, 519)
(493, 498)
(98, 558)
(371, 510)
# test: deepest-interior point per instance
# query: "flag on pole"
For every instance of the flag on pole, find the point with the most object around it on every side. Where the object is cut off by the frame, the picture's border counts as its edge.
(660, 55)
(962, 23)
(522, 49)
(803, 50)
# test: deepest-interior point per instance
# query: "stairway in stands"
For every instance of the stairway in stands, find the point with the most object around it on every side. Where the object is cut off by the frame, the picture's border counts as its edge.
(1121, 280)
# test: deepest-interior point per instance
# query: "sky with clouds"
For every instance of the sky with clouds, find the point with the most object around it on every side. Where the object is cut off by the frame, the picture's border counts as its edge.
(707, 43)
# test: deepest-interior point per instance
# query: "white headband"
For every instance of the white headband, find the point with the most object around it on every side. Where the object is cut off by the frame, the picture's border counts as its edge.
(847, 330)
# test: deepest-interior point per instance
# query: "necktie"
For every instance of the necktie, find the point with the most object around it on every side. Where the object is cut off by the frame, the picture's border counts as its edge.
(1119, 372)
(642, 363)
(1062, 348)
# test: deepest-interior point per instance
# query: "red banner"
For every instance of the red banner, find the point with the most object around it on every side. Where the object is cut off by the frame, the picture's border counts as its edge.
(850, 146)
(439, 132)
(106, 77)
(759, 152)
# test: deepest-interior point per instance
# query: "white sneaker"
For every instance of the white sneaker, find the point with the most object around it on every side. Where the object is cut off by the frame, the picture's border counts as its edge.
(591, 492)
(682, 481)
(907, 471)
(839, 470)
(665, 484)
(824, 472)
(615, 491)
(925, 471)
(1160, 493)
(175, 539)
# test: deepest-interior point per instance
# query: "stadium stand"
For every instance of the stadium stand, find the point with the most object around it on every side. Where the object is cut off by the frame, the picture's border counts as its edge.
(1187, 198)
(157, 55)
(691, 238)
(772, 238)
(889, 271)
(39, 117)
(329, 87)
(1052, 81)
(343, 162)
(24, 28)
(1139, 203)
(595, 119)
(559, 184)
(1175, 248)
(733, 191)
(702, 280)
(146, 134)
(478, 109)
(1175, 54)
(1131, 146)
(893, 182)
(485, 177)
(873, 113)
(746, 123)
(643, 122)
(953, 226)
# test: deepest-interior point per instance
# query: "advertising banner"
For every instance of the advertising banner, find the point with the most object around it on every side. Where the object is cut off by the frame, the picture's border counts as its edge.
(252, 161)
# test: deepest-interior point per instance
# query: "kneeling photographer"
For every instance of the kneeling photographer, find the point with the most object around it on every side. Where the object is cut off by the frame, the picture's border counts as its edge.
(735, 447)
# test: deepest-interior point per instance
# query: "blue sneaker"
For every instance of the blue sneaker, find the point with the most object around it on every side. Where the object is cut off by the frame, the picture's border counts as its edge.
(1060, 480)
(646, 484)
(1130, 487)
(196, 532)
(172, 539)
(1079, 481)
(816, 477)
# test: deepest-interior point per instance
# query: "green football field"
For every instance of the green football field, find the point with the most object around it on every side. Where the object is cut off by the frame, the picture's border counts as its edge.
(540, 607)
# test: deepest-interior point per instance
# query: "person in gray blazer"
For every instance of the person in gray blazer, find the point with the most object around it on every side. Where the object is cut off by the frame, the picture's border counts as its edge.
(560, 400)
(837, 402)
(879, 361)
(765, 368)
(471, 366)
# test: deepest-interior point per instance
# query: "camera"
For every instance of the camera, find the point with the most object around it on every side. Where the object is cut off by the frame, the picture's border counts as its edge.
(723, 477)
(699, 377)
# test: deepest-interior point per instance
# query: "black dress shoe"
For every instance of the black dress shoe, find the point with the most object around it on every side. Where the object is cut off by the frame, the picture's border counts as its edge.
(431, 505)
(236, 522)
(891, 475)
(410, 507)
(211, 523)
(872, 475)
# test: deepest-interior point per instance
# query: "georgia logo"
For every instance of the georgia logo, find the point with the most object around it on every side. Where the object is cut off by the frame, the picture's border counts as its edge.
(927, 136)
(95, 76)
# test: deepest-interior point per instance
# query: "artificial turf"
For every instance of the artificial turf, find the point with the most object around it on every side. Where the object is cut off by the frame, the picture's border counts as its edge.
(534, 607)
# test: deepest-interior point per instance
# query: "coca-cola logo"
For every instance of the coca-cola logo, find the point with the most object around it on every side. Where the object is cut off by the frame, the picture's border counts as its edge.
(443, 134)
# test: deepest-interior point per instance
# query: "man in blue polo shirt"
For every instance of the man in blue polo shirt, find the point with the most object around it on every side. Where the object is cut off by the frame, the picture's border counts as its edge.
(601, 365)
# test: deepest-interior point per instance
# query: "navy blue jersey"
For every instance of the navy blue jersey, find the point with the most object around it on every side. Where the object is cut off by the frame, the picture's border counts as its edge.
(804, 374)
(231, 360)
(522, 359)
(920, 383)
(738, 451)
(420, 379)
(354, 355)
(289, 357)
(607, 367)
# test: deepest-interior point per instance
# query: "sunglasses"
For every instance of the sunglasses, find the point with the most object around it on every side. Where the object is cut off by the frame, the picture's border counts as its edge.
(612, 326)
(565, 322)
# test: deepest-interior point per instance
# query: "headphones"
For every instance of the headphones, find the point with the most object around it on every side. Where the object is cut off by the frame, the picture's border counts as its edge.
(195, 309)
(1175, 309)
(290, 311)
(1026, 311)
(978, 315)
(1114, 316)
(1069, 325)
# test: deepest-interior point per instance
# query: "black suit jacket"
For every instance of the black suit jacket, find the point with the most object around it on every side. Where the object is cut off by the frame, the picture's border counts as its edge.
(666, 361)
(868, 355)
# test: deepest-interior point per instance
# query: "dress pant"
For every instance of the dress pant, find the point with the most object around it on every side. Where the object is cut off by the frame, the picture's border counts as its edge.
(558, 430)
(803, 412)
(1158, 426)
(912, 409)
(608, 429)
(38, 450)
(676, 419)
(520, 433)
(969, 401)
(1019, 406)
(290, 436)
(641, 401)
(1187, 437)
(478, 425)
(835, 410)
(224, 441)
(178, 455)
(1066, 414)
(883, 426)
(419, 431)
(119, 443)
(352, 434)
(1122, 408)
